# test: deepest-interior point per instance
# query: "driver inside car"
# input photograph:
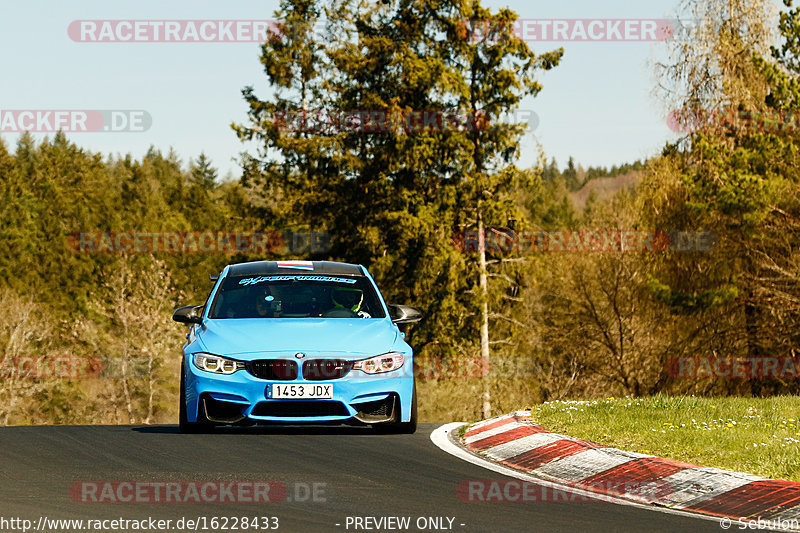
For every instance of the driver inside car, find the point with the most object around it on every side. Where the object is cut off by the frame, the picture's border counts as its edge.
(347, 302)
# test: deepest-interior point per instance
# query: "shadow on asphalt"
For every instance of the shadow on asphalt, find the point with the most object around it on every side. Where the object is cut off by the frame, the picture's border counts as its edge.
(269, 430)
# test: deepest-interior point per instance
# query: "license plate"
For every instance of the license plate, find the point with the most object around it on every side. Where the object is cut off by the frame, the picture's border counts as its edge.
(312, 392)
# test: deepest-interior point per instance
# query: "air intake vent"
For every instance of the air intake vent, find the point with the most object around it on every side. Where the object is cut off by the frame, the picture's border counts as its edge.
(300, 408)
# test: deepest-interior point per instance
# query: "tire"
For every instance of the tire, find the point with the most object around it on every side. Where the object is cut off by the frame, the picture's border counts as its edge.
(202, 425)
(402, 427)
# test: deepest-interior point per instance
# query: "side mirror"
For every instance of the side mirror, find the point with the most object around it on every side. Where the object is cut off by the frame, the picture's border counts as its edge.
(404, 314)
(190, 314)
(213, 277)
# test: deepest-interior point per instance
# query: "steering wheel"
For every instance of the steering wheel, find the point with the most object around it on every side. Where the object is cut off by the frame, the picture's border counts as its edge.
(339, 312)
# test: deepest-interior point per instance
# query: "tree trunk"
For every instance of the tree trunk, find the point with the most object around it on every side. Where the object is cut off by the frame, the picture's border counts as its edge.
(484, 295)
(151, 387)
(751, 325)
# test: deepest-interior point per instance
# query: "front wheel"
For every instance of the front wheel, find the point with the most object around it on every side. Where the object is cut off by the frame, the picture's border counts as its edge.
(202, 425)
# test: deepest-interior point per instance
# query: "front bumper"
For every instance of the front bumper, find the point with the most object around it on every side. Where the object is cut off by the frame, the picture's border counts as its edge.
(241, 398)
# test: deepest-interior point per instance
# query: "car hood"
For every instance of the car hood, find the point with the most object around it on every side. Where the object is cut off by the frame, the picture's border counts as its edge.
(357, 336)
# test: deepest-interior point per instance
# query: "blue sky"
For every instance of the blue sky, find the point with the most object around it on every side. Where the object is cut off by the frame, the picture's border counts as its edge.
(597, 105)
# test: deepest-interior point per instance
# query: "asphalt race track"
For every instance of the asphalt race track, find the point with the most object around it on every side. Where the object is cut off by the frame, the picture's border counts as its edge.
(357, 473)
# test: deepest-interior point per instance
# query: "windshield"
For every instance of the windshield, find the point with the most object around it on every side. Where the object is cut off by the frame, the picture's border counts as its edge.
(296, 296)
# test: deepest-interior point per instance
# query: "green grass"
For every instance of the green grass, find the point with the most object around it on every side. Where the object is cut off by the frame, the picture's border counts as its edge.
(756, 435)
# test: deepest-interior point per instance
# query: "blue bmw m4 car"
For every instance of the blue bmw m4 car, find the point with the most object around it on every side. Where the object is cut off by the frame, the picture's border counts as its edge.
(296, 342)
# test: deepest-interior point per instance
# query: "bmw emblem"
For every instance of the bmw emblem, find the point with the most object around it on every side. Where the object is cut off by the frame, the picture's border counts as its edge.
(300, 355)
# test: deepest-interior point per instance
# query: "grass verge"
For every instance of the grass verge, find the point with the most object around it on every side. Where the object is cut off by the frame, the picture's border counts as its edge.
(756, 435)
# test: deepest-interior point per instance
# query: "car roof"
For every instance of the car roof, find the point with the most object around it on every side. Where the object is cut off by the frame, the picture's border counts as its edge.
(257, 268)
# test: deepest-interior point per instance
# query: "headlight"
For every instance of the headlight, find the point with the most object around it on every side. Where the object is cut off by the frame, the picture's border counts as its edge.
(216, 364)
(380, 363)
